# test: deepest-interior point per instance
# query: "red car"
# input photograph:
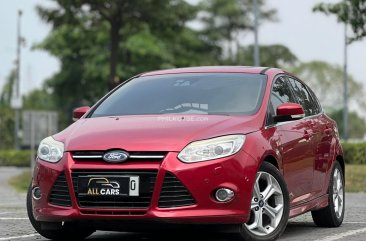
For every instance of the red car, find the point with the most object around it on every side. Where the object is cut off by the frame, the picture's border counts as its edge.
(240, 148)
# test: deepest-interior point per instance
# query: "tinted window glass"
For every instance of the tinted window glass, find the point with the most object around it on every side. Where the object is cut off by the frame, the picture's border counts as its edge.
(304, 97)
(281, 93)
(316, 104)
(216, 93)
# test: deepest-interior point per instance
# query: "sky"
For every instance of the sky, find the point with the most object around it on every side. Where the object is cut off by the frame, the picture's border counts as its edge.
(310, 36)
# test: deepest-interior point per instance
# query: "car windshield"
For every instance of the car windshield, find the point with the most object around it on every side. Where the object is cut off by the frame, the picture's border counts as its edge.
(203, 93)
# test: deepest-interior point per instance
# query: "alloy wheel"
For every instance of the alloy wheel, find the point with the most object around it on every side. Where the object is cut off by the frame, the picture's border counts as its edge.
(266, 206)
(338, 193)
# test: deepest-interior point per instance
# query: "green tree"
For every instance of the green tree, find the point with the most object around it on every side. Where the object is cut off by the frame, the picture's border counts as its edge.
(38, 99)
(118, 20)
(226, 21)
(276, 55)
(7, 91)
(357, 125)
(7, 115)
(352, 12)
(326, 80)
(152, 35)
(7, 120)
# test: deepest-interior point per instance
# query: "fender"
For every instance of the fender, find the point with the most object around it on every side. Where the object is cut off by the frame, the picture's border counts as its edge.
(336, 150)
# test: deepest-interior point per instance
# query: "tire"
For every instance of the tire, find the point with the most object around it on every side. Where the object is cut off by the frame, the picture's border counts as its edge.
(332, 215)
(264, 202)
(67, 231)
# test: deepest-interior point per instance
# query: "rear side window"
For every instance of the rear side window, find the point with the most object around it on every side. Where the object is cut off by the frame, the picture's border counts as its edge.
(281, 93)
(317, 106)
(304, 97)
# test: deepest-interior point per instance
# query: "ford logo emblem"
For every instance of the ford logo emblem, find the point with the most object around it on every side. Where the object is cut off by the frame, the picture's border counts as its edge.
(115, 156)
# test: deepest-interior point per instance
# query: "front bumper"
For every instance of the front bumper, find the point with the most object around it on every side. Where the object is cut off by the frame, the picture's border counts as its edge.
(201, 179)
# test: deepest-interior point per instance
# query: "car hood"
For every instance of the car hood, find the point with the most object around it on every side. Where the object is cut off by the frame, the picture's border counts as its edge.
(150, 133)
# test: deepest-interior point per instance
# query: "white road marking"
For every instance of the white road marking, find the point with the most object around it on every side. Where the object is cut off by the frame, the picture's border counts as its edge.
(343, 235)
(19, 237)
(14, 218)
(354, 222)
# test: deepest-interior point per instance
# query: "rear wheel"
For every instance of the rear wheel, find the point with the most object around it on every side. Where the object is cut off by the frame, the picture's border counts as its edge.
(333, 214)
(66, 230)
(269, 206)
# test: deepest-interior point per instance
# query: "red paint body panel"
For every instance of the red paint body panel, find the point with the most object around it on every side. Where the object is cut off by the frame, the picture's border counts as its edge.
(304, 152)
(200, 178)
(150, 133)
(79, 112)
(288, 109)
(208, 69)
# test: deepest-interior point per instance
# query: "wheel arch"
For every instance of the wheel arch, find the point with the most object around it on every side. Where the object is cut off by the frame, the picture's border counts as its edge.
(271, 159)
(340, 159)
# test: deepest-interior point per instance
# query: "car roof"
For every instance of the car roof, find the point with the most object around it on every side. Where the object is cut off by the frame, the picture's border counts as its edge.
(214, 69)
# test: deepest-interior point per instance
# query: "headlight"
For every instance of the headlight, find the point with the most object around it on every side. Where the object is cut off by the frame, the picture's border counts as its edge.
(210, 149)
(50, 150)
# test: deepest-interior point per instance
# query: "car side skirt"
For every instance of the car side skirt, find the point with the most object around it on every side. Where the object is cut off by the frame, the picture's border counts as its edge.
(317, 203)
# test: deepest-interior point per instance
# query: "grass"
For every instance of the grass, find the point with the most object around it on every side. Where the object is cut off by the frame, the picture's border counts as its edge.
(355, 179)
(21, 181)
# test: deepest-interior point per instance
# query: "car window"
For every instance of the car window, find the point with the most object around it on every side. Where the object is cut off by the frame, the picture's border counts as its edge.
(201, 93)
(304, 97)
(281, 93)
(317, 106)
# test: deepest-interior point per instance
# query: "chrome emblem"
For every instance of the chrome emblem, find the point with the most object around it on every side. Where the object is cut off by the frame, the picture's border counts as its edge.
(115, 156)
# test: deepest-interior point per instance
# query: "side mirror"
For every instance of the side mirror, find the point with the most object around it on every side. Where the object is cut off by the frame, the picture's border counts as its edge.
(289, 112)
(79, 112)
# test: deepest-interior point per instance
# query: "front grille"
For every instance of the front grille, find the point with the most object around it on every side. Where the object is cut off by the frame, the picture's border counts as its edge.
(60, 195)
(147, 182)
(97, 156)
(174, 193)
(129, 213)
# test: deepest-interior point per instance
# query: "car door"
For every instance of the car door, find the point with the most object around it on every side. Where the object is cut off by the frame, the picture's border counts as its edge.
(294, 136)
(323, 142)
(306, 159)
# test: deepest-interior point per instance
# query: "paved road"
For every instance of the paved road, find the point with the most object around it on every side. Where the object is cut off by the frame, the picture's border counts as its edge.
(14, 224)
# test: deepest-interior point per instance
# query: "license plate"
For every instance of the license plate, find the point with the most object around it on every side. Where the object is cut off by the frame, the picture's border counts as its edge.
(108, 185)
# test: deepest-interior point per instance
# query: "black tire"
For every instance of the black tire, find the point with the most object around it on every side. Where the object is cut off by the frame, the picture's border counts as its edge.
(68, 231)
(327, 217)
(246, 234)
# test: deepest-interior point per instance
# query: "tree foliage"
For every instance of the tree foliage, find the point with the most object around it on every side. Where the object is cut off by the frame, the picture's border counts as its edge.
(38, 99)
(226, 21)
(7, 91)
(326, 80)
(150, 36)
(352, 12)
(7, 115)
(7, 120)
(102, 43)
(356, 125)
(276, 55)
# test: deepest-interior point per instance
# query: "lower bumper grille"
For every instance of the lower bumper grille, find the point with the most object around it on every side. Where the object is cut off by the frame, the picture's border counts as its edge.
(174, 193)
(147, 182)
(129, 213)
(60, 195)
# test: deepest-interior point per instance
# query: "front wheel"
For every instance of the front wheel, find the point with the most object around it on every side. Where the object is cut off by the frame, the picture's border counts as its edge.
(269, 206)
(67, 231)
(333, 214)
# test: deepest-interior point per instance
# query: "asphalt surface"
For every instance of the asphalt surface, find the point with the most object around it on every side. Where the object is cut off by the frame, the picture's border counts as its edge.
(14, 224)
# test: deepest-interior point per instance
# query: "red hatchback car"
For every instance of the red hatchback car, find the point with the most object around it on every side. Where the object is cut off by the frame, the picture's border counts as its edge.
(243, 148)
